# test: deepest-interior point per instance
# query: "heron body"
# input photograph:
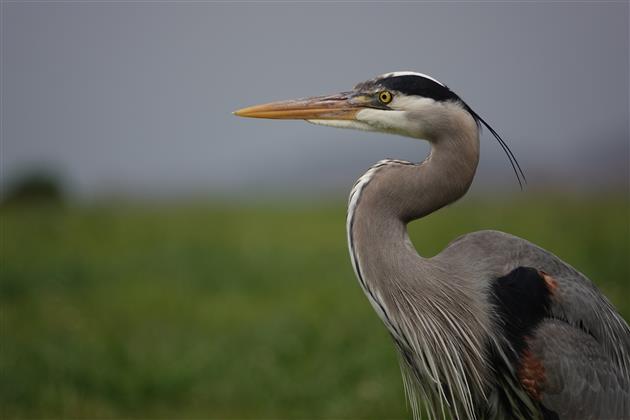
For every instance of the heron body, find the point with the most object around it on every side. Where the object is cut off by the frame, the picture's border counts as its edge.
(493, 326)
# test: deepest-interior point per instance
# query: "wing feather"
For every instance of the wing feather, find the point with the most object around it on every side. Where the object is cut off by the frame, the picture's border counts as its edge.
(581, 381)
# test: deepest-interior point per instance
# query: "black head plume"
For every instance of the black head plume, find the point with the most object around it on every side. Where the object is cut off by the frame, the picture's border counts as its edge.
(419, 84)
(520, 175)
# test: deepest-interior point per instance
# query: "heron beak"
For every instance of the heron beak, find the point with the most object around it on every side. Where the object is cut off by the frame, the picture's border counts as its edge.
(341, 106)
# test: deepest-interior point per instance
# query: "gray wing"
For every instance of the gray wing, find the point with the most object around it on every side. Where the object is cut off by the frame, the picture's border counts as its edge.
(581, 381)
(584, 348)
(576, 299)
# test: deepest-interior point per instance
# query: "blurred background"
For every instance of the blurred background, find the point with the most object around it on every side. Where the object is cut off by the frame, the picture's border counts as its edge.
(161, 258)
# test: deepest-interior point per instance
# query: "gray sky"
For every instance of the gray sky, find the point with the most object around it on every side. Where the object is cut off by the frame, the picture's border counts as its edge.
(136, 98)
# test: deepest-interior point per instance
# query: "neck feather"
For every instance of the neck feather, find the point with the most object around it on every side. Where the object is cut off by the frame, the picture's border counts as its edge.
(404, 288)
(392, 193)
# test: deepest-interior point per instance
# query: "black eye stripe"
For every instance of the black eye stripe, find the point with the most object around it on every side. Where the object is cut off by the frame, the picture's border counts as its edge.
(419, 86)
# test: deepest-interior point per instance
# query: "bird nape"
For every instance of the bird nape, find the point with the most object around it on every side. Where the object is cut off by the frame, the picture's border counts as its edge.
(493, 326)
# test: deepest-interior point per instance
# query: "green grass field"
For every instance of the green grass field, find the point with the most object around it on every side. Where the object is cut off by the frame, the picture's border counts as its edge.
(208, 311)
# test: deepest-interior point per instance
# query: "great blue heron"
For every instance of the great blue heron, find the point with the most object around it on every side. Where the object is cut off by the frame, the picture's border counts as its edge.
(493, 326)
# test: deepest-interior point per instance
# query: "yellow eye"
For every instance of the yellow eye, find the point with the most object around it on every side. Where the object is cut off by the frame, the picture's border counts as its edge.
(385, 97)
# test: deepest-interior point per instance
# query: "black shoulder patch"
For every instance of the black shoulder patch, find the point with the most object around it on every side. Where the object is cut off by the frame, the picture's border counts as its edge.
(522, 299)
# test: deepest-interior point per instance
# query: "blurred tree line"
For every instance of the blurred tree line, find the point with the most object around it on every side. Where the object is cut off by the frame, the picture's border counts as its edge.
(34, 187)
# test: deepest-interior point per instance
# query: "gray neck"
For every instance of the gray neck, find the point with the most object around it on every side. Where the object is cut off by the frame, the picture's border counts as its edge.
(410, 292)
(393, 193)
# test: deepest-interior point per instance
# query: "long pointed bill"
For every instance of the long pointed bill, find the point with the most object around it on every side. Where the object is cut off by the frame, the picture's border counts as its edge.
(341, 106)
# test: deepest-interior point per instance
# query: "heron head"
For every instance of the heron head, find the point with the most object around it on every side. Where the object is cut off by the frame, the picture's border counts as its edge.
(406, 103)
